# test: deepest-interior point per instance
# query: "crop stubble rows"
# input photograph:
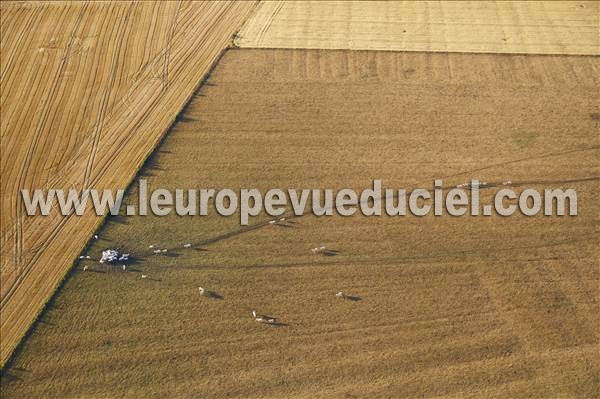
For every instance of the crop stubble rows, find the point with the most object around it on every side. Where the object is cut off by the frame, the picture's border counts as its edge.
(450, 306)
(515, 27)
(88, 89)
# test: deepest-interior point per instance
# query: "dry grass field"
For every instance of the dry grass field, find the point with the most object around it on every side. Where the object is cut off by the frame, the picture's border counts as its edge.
(449, 307)
(87, 91)
(526, 27)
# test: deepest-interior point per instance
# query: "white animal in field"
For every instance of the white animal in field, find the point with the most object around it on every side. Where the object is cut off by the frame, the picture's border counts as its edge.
(109, 255)
(201, 290)
(282, 219)
(319, 250)
(272, 222)
(85, 268)
(82, 257)
(95, 236)
(144, 276)
(341, 295)
(507, 183)
(157, 251)
(188, 245)
(164, 251)
(88, 257)
(124, 267)
(261, 318)
(150, 246)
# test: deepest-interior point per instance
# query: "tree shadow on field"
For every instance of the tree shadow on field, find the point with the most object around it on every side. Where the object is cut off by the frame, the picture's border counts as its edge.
(213, 295)
(93, 271)
(182, 118)
(160, 255)
(120, 218)
(277, 324)
(7, 376)
(130, 270)
(21, 370)
(147, 173)
(153, 164)
(330, 252)
(353, 298)
(46, 322)
(149, 166)
(285, 225)
(13, 374)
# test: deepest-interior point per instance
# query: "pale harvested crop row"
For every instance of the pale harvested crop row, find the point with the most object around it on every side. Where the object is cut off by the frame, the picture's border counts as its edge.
(88, 89)
(524, 27)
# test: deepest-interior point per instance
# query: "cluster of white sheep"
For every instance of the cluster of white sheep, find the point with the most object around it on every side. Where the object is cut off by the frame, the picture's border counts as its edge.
(319, 250)
(112, 255)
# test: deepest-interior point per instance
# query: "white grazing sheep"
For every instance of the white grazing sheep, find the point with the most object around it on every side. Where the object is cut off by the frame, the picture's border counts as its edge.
(340, 295)
(201, 290)
(109, 255)
(188, 245)
(261, 318)
(85, 268)
(144, 276)
(150, 246)
(319, 250)
(124, 267)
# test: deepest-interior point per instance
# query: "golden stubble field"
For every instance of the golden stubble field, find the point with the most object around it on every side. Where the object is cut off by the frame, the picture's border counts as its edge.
(467, 307)
(515, 27)
(87, 91)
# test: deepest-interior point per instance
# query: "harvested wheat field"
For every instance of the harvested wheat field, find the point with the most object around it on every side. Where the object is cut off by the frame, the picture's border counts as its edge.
(88, 90)
(526, 27)
(444, 306)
